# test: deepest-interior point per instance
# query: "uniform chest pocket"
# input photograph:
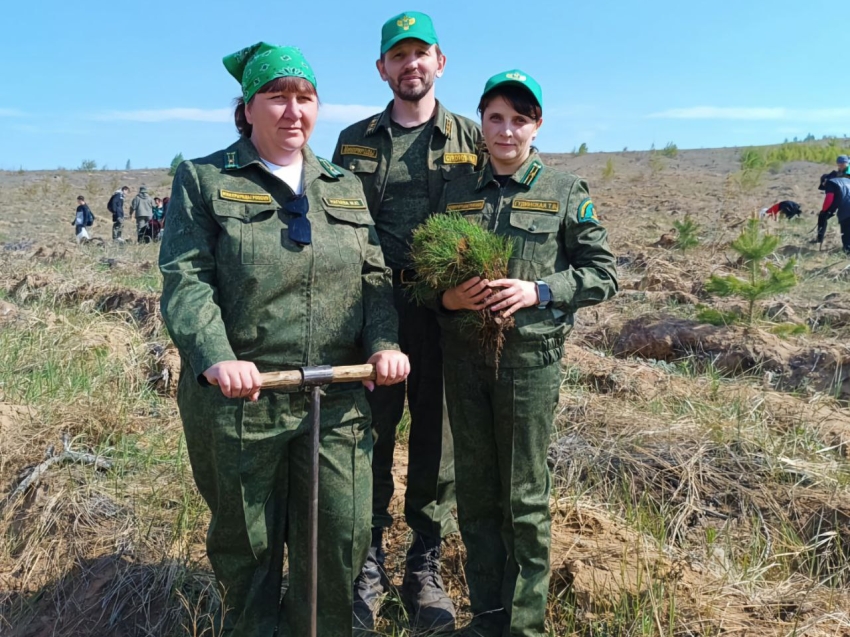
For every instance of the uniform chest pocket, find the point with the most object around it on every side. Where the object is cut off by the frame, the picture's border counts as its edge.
(359, 164)
(252, 234)
(537, 236)
(347, 227)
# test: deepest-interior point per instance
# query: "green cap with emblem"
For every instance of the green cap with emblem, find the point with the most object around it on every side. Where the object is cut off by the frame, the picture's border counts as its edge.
(517, 78)
(257, 65)
(411, 24)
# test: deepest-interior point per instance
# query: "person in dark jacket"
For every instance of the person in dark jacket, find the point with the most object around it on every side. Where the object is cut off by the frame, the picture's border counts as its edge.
(116, 207)
(789, 210)
(842, 169)
(83, 218)
(837, 201)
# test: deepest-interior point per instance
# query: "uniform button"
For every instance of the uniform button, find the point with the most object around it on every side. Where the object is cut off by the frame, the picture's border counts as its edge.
(351, 168)
(532, 228)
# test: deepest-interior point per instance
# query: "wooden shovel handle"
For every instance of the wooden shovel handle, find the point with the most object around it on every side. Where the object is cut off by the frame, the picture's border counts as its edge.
(292, 379)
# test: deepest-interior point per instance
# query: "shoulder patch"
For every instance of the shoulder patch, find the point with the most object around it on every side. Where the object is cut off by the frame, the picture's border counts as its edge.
(330, 168)
(538, 205)
(350, 203)
(587, 212)
(373, 125)
(244, 197)
(230, 161)
(466, 206)
(460, 158)
(532, 174)
(360, 151)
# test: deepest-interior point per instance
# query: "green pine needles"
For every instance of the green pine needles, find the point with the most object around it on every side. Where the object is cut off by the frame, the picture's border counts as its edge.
(450, 249)
(765, 279)
(686, 230)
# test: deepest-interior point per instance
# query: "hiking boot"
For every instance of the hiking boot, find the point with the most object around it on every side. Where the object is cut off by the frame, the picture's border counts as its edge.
(422, 589)
(814, 241)
(370, 587)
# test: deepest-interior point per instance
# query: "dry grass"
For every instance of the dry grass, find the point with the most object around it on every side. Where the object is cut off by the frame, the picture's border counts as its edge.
(689, 499)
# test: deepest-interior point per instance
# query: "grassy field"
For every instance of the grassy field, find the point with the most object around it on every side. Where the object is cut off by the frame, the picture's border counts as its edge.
(702, 482)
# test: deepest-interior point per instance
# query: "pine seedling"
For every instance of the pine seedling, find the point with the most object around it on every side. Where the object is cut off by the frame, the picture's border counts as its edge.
(754, 247)
(608, 171)
(450, 249)
(687, 234)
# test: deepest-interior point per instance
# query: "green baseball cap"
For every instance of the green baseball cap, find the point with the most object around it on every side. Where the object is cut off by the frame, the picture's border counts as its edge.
(411, 24)
(259, 64)
(518, 78)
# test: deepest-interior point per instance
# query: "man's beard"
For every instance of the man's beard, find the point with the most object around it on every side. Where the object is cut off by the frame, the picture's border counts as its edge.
(412, 94)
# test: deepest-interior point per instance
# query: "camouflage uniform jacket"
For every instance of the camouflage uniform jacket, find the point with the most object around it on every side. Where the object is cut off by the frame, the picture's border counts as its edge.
(236, 287)
(365, 148)
(557, 240)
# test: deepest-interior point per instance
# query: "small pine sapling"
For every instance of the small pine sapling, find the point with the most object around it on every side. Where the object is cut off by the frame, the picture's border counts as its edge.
(450, 249)
(687, 230)
(754, 247)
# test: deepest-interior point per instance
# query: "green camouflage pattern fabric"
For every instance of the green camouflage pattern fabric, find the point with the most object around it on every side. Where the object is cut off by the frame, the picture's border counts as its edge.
(502, 419)
(557, 240)
(257, 65)
(366, 149)
(405, 202)
(501, 425)
(235, 287)
(452, 148)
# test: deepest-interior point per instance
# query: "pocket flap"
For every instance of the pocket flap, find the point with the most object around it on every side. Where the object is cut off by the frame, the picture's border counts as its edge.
(534, 223)
(359, 164)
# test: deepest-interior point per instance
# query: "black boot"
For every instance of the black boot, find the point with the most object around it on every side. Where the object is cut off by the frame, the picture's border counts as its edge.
(422, 589)
(370, 587)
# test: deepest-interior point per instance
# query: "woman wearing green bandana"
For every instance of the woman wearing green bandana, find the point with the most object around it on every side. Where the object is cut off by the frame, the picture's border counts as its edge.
(502, 414)
(271, 262)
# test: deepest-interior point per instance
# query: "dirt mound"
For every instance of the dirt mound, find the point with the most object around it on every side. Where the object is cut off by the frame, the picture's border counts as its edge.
(165, 368)
(140, 307)
(735, 350)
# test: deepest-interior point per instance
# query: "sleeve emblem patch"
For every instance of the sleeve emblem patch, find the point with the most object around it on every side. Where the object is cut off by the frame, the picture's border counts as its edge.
(587, 212)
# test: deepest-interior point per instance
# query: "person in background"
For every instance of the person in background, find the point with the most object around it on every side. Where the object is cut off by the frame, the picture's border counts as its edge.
(842, 169)
(156, 221)
(837, 201)
(142, 209)
(789, 210)
(83, 218)
(116, 207)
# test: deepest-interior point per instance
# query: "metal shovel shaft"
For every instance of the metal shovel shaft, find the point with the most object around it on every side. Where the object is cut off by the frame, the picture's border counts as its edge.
(313, 378)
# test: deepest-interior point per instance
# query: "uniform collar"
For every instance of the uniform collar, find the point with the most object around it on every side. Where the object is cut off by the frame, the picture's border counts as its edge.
(526, 175)
(243, 153)
(444, 121)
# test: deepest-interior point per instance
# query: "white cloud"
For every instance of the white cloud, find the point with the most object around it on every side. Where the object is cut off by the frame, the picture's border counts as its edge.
(755, 114)
(339, 113)
(347, 113)
(11, 112)
(168, 114)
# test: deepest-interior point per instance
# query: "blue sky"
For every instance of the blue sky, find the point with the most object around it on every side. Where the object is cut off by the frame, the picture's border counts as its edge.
(112, 81)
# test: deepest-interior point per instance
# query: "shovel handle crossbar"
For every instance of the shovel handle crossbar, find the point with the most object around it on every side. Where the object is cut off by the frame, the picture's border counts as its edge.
(293, 379)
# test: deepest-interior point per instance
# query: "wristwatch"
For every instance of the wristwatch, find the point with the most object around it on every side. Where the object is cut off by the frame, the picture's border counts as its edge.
(544, 295)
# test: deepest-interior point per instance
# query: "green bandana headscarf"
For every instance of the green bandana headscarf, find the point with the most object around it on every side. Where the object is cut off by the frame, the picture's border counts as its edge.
(256, 65)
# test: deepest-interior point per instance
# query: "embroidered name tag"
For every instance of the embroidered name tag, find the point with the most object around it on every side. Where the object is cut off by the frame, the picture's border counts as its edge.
(245, 197)
(460, 158)
(536, 204)
(353, 204)
(466, 206)
(360, 151)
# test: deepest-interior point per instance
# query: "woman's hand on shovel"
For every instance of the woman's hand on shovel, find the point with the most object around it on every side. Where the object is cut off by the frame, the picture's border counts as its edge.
(391, 367)
(236, 379)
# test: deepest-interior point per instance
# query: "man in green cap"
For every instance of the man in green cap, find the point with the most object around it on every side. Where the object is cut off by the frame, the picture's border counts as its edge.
(404, 156)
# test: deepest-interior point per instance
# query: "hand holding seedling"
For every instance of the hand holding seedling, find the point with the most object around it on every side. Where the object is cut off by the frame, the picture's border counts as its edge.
(470, 295)
(514, 295)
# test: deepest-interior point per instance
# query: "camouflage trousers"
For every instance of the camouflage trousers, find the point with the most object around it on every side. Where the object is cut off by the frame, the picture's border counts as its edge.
(430, 494)
(502, 426)
(251, 464)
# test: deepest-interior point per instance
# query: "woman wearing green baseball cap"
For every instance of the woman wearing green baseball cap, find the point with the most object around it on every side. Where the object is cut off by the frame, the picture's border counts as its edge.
(502, 414)
(271, 262)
